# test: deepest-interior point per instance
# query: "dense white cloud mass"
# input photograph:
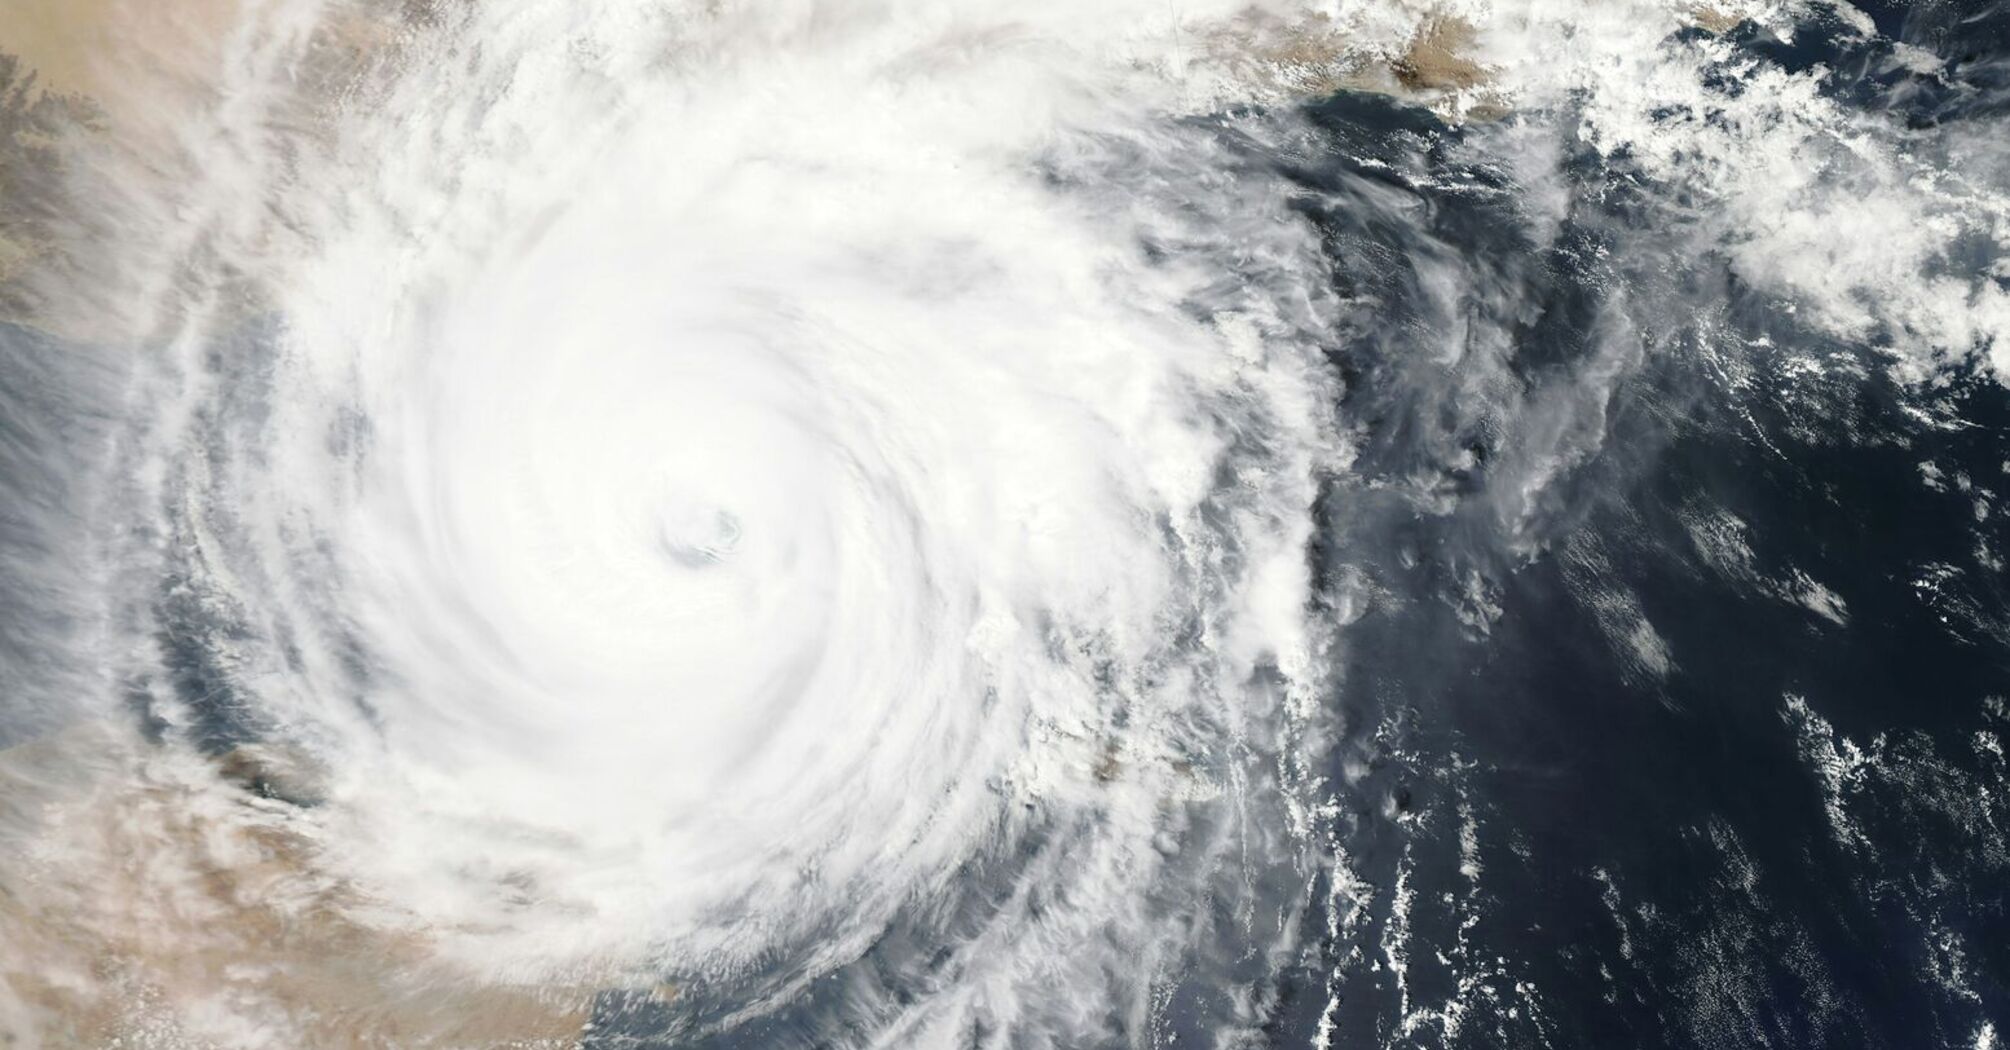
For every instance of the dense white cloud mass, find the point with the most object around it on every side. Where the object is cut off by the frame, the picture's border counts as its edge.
(759, 504)
(689, 484)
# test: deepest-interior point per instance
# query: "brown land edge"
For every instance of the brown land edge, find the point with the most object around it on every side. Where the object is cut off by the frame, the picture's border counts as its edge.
(95, 86)
(133, 900)
(80, 72)
(136, 893)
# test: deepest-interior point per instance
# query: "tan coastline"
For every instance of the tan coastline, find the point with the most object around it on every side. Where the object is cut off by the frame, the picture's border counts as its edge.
(133, 902)
(97, 102)
(109, 50)
(1437, 67)
(77, 76)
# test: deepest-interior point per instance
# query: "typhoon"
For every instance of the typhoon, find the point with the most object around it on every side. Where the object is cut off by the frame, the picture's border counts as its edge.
(926, 523)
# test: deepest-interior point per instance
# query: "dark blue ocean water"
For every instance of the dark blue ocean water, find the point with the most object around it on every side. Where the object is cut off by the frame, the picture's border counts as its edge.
(1617, 783)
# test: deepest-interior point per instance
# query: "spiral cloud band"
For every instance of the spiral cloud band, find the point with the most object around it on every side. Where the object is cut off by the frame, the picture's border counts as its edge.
(701, 493)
